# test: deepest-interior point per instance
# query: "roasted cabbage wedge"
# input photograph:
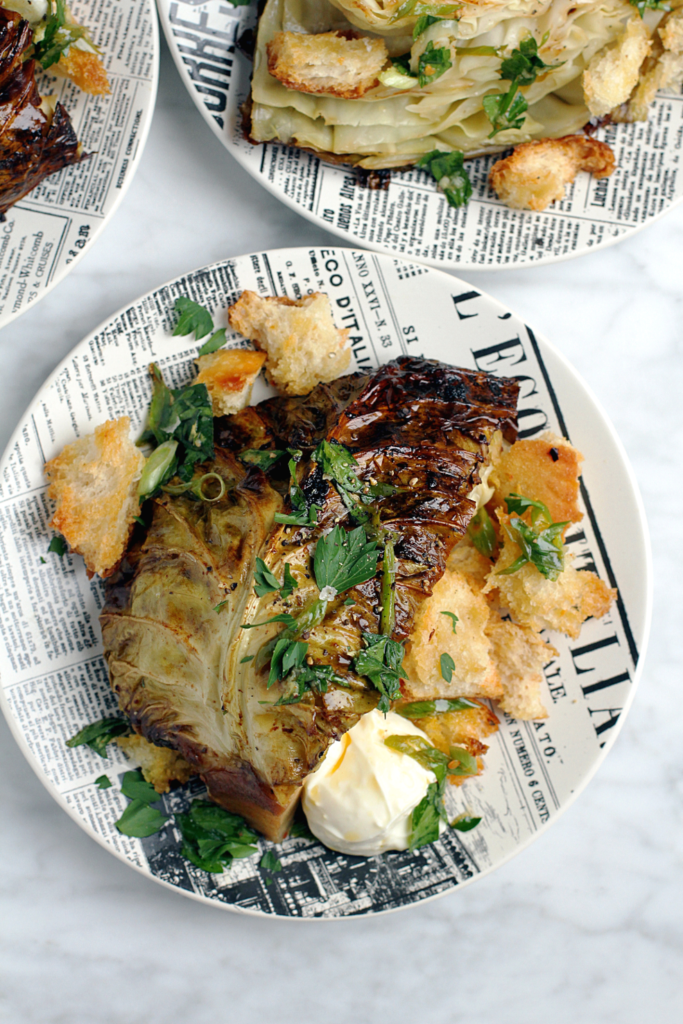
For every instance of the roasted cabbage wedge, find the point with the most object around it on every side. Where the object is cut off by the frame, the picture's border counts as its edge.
(188, 673)
(36, 138)
(393, 126)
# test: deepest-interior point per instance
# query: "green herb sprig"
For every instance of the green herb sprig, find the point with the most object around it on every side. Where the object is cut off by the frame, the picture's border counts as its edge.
(448, 170)
(58, 36)
(99, 734)
(381, 662)
(508, 110)
(213, 838)
(196, 319)
(432, 63)
(541, 543)
(140, 819)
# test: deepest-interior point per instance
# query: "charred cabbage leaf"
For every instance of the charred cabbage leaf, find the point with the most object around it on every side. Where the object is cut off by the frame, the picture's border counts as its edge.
(251, 682)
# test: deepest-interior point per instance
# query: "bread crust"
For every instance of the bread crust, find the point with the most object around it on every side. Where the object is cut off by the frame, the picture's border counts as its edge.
(229, 375)
(342, 64)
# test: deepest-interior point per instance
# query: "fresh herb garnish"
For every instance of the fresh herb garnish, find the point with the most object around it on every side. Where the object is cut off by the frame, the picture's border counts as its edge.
(541, 543)
(382, 663)
(289, 584)
(448, 170)
(482, 533)
(508, 110)
(260, 457)
(505, 110)
(287, 655)
(649, 5)
(464, 823)
(310, 678)
(523, 65)
(266, 583)
(306, 517)
(300, 829)
(454, 619)
(216, 341)
(139, 819)
(192, 318)
(432, 63)
(424, 823)
(249, 657)
(423, 708)
(103, 782)
(447, 666)
(58, 546)
(343, 560)
(338, 464)
(58, 36)
(135, 787)
(280, 617)
(212, 837)
(269, 862)
(423, 23)
(99, 734)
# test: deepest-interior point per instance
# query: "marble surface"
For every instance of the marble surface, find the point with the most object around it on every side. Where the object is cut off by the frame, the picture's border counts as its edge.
(587, 924)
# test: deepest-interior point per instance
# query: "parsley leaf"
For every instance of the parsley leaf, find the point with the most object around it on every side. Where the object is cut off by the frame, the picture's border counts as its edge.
(300, 829)
(260, 457)
(338, 464)
(447, 665)
(464, 823)
(344, 560)
(57, 36)
(266, 583)
(140, 820)
(426, 817)
(269, 862)
(423, 23)
(99, 734)
(505, 110)
(423, 708)
(382, 663)
(287, 654)
(249, 657)
(541, 543)
(103, 782)
(482, 533)
(58, 545)
(454, 619)
(524, 64)
(135, 787)
(432, 64)
(449, 172)
(216, 341)
(212, 837)
(313, 678)
(192, 318)
(307, 517)
(289, 584)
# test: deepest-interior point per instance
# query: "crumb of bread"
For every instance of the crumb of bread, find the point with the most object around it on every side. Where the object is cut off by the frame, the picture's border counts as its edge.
(160, 765)
(229, 375)
(94, 484)
(85, 69)
(302, 345)
(547, 469)
(520, 656)
(335, 63)
(613, 72)
(474, 674)
(662, 69)
(467, 728)
(670, 31)
(535, 174)
(539, 603)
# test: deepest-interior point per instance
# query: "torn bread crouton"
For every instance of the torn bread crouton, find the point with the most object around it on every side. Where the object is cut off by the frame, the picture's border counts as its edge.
(474, 674)
(160, 765)
(467, 728)
(540, 603)
(535, 173)
(302, 345)
(335, 63)
(613, 72)
(465, 559)
(229, 375)
(85, 69)
(662, 69)
(547, 469)
(520, 656)
(94, 483)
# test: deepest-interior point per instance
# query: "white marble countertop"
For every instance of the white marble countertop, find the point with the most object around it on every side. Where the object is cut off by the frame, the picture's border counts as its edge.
(587, 924)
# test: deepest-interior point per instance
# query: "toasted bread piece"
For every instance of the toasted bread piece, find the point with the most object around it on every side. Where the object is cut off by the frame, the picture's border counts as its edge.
(94, 483)
(303, 346)
(160, 765)
(467, 728)
(535, 174)
(546, 469)
(474, 674)
(613, 72)
(336, 63)
(85, 69)
(540, 603)
(229, 375)
(465, 559)
(519, 655)
(662, 69)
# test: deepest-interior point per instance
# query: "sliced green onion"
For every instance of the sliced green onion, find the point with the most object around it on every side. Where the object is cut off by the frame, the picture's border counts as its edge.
(156, 468)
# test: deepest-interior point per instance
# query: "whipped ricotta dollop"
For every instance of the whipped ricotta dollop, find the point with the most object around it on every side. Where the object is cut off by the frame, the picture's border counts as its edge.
(360, 798)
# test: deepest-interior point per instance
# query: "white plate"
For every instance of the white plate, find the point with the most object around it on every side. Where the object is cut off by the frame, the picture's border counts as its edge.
(412, 219)
(54, 679)
(46, 233)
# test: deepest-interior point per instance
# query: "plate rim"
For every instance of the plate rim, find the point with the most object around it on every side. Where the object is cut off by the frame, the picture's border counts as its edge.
(351, 241)
(648, 593)
(143, 135)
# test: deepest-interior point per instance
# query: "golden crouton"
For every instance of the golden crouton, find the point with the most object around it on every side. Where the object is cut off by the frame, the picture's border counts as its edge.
(547, 469)
(535, 173)
(465, 728)
(303, 346)
(662, 69)
(335, 63)
(474, 674)
(670, 31)
(519, 656)
(613, 72)
(160, 765)
(465, 559)
(229, 375)
(540, 603)
(94, 483)
(85, 69)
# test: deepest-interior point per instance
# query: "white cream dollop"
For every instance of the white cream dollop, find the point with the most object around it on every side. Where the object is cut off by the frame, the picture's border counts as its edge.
(359, 800)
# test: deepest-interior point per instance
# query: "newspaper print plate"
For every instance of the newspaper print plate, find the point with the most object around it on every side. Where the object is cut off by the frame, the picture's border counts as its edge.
(410, 218)
(44, 235)
(53, 676)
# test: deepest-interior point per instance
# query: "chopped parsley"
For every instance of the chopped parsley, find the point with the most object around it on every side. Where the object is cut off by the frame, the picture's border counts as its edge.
(99, 734)
(213, 838)
(649, 5)
(140, 819)
(454, 619)
(448, 170)
(58, 36)
(266, 583)
(447, 666)
(192, 318)
(344, 560)
(541, 543)
(103, 782)
(58, 546)
(432, 63)
(508, 110)
(381, 661)
(464, 823)
(269, 862)
(423, 23)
